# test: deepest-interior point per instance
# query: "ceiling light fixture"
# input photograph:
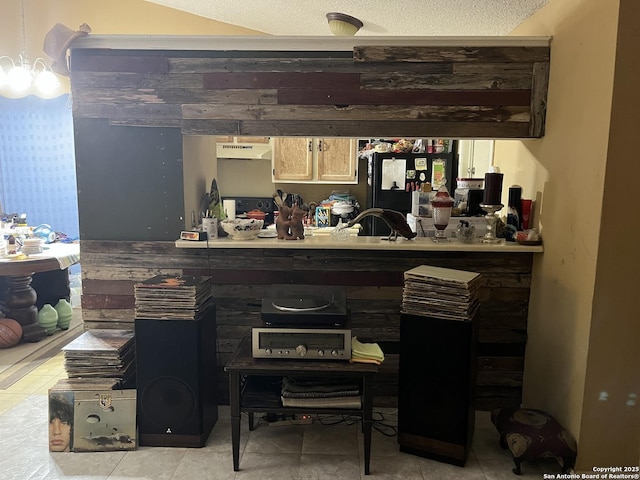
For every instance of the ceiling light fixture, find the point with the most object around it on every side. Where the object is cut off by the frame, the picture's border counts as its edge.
(343, 25)
(20, 76)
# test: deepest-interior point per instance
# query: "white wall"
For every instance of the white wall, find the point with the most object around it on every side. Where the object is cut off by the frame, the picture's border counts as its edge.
(582, 326)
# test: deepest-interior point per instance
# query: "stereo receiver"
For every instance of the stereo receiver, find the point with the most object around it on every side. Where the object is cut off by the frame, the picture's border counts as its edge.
(301, 343)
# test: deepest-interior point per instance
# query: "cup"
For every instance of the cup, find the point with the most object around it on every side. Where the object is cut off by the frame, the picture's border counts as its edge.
(229, 207)
(526, 205)
(210, 225)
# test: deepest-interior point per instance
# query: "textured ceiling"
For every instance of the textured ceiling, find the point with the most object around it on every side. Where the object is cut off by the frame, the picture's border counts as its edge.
(380, 17)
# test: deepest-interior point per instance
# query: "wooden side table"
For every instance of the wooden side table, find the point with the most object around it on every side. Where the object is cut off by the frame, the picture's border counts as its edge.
(243, 364)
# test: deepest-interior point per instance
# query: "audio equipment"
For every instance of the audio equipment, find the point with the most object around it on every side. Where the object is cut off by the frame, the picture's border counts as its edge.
(436, 394)
(301, 343)
(176, 380)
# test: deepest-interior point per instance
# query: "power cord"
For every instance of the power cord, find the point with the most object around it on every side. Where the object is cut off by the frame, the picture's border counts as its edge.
(385, 423)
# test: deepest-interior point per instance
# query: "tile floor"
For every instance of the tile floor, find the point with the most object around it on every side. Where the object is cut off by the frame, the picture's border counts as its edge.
(309, 452)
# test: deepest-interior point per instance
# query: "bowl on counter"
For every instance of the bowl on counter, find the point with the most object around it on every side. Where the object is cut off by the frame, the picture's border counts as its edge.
(242, 228)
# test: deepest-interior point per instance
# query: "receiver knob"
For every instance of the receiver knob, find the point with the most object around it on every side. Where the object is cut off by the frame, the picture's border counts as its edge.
(321, 353)
(268, 351)
(302, 350)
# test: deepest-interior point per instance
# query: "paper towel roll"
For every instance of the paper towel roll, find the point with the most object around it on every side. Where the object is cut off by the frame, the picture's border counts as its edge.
(229, 207)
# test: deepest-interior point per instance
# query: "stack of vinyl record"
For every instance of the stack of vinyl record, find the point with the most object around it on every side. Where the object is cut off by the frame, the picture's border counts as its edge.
(170, 297)
(99, 359)
(441, 293)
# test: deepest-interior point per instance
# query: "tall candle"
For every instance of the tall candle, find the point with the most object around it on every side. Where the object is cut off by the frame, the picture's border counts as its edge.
(492, 188)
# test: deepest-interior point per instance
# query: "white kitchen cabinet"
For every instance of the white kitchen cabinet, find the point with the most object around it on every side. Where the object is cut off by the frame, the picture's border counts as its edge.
(475, 158)
(315, 160)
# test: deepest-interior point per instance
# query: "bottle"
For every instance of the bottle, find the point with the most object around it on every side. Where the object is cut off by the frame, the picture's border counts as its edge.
(514, 214)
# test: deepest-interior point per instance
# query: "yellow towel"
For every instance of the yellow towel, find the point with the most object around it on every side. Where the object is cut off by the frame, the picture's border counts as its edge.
(364, 360)
(369, 351)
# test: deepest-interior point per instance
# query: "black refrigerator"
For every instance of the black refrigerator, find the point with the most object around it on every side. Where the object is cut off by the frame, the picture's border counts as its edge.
(391, 177)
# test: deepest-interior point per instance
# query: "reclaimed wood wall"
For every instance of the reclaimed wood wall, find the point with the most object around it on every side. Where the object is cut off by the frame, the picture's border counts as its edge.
(372, 91)
(373, 282)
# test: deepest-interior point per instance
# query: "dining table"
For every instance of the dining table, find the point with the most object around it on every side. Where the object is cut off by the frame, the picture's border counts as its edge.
(17, 271)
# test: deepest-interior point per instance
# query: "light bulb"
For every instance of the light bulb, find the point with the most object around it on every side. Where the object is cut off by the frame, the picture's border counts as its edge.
(47, 82)
(19, 79)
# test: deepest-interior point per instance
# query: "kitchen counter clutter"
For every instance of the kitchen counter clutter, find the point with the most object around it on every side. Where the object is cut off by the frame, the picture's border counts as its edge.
(361, 243)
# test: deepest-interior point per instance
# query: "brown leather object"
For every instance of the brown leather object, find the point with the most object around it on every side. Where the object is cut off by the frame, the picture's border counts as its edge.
(56, 43)
(530, 433)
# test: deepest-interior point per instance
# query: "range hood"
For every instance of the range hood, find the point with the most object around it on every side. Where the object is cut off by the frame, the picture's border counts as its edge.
(252, 151)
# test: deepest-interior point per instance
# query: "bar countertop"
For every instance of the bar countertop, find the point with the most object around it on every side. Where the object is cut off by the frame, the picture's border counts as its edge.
(361, 243)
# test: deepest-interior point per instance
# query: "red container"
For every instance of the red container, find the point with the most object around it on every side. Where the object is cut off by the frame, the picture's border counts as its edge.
(256, 214)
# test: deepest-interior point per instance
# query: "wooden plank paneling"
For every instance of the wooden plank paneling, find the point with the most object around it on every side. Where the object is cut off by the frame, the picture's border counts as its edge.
(280, 80)
(373, 128)
(179, 96)
(121, 63)
(427, 113)
(489, 92)
(450, 54)
(539, 98)
(431, 97)
(377, 92)
(472, 81)
(374, 296)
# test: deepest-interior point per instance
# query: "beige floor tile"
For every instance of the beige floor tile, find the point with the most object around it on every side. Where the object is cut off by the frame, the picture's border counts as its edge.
(8, 400)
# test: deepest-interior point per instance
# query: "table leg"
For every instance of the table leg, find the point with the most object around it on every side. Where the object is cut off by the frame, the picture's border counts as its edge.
(367, 420)
(234, 403)
(20, 299)
(251, 420)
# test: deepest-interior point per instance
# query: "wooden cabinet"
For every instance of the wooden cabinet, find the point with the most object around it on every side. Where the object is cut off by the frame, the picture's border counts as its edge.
(318, 160)
(292, 159)
(475, 158)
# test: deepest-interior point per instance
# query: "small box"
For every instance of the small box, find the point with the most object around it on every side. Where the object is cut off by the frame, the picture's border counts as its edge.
(193, 235)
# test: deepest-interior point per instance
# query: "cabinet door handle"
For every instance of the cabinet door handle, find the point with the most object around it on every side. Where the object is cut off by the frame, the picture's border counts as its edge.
(319, 145)
(310, 146)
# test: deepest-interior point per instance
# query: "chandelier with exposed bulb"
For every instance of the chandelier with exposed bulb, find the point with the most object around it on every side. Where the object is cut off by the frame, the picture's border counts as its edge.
(21, 76)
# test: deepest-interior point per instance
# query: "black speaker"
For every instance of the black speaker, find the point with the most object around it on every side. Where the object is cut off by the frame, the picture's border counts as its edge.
(436, 394)
(176, 380)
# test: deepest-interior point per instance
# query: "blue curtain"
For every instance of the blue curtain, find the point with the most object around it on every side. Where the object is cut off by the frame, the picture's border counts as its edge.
(37, 162)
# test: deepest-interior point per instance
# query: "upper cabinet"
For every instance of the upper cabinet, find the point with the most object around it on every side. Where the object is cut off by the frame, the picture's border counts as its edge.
(318, 160)
(475, 157)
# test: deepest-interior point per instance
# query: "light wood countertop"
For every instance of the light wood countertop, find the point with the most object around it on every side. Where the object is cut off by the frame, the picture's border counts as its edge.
(362, 243)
